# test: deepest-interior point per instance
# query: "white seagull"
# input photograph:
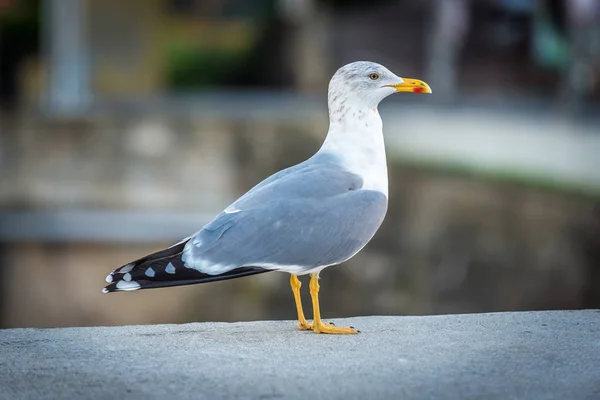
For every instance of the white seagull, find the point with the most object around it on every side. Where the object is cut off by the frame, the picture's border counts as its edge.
(302, 219)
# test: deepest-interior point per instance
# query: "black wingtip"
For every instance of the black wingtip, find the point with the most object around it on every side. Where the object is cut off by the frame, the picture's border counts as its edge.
(122, 286)
(149, 283)
(165, 268)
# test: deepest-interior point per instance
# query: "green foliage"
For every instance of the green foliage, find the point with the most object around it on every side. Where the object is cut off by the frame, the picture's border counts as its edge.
(20, 26)
(190, 66)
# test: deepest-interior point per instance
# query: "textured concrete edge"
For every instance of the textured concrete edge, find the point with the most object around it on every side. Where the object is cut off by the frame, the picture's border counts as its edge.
(291, 325)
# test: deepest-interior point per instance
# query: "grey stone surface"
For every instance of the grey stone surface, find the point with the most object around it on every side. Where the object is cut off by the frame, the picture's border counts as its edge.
(528, 355)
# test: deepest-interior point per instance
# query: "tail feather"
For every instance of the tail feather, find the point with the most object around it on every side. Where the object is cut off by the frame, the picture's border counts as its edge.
(164, 269)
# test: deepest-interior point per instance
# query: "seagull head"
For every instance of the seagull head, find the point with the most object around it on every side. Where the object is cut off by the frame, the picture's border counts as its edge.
(367, 83)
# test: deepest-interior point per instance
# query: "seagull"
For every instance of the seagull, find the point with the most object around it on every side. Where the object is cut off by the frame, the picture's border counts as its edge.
(302, 219)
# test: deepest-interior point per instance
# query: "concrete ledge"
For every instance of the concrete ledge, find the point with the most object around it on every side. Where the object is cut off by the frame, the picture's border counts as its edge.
(529, 355)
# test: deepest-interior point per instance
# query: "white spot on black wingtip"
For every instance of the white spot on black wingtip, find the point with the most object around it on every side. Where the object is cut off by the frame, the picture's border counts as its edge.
(127, 277)
(149, 272)
(170, 269)
(128, 285)
(126, 268)
(109, 278)
(105, 290)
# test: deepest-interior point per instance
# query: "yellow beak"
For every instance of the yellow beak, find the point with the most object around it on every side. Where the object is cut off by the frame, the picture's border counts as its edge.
(412, 85)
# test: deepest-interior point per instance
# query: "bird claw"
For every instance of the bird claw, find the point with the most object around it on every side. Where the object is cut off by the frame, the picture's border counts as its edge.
(304, 326)
(330, 329)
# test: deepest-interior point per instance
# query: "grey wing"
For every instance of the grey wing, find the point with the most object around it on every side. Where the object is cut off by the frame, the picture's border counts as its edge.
(267, 182)
(306, 180)
(307, 220)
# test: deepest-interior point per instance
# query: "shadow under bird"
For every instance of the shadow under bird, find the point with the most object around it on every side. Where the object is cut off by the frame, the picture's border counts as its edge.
(302, 219)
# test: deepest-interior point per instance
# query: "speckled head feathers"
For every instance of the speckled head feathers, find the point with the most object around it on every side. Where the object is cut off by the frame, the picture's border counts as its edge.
(362, 83)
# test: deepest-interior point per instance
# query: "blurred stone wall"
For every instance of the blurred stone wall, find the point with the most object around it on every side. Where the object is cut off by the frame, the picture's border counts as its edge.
(449, 244)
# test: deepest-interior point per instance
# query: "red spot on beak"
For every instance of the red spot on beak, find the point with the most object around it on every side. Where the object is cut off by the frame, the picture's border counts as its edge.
(418, 90)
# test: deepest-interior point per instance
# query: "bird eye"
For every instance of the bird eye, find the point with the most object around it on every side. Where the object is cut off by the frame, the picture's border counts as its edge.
(374, 76)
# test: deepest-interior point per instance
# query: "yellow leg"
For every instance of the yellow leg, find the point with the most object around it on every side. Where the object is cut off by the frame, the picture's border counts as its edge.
(318, 326)
(295, 283)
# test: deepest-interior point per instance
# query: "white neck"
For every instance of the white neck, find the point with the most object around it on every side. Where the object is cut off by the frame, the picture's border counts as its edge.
(356, 137)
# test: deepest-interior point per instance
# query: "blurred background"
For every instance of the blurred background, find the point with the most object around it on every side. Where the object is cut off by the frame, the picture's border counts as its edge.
(126, 126)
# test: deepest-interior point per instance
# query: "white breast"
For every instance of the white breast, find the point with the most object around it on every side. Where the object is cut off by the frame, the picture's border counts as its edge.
(357, 139)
